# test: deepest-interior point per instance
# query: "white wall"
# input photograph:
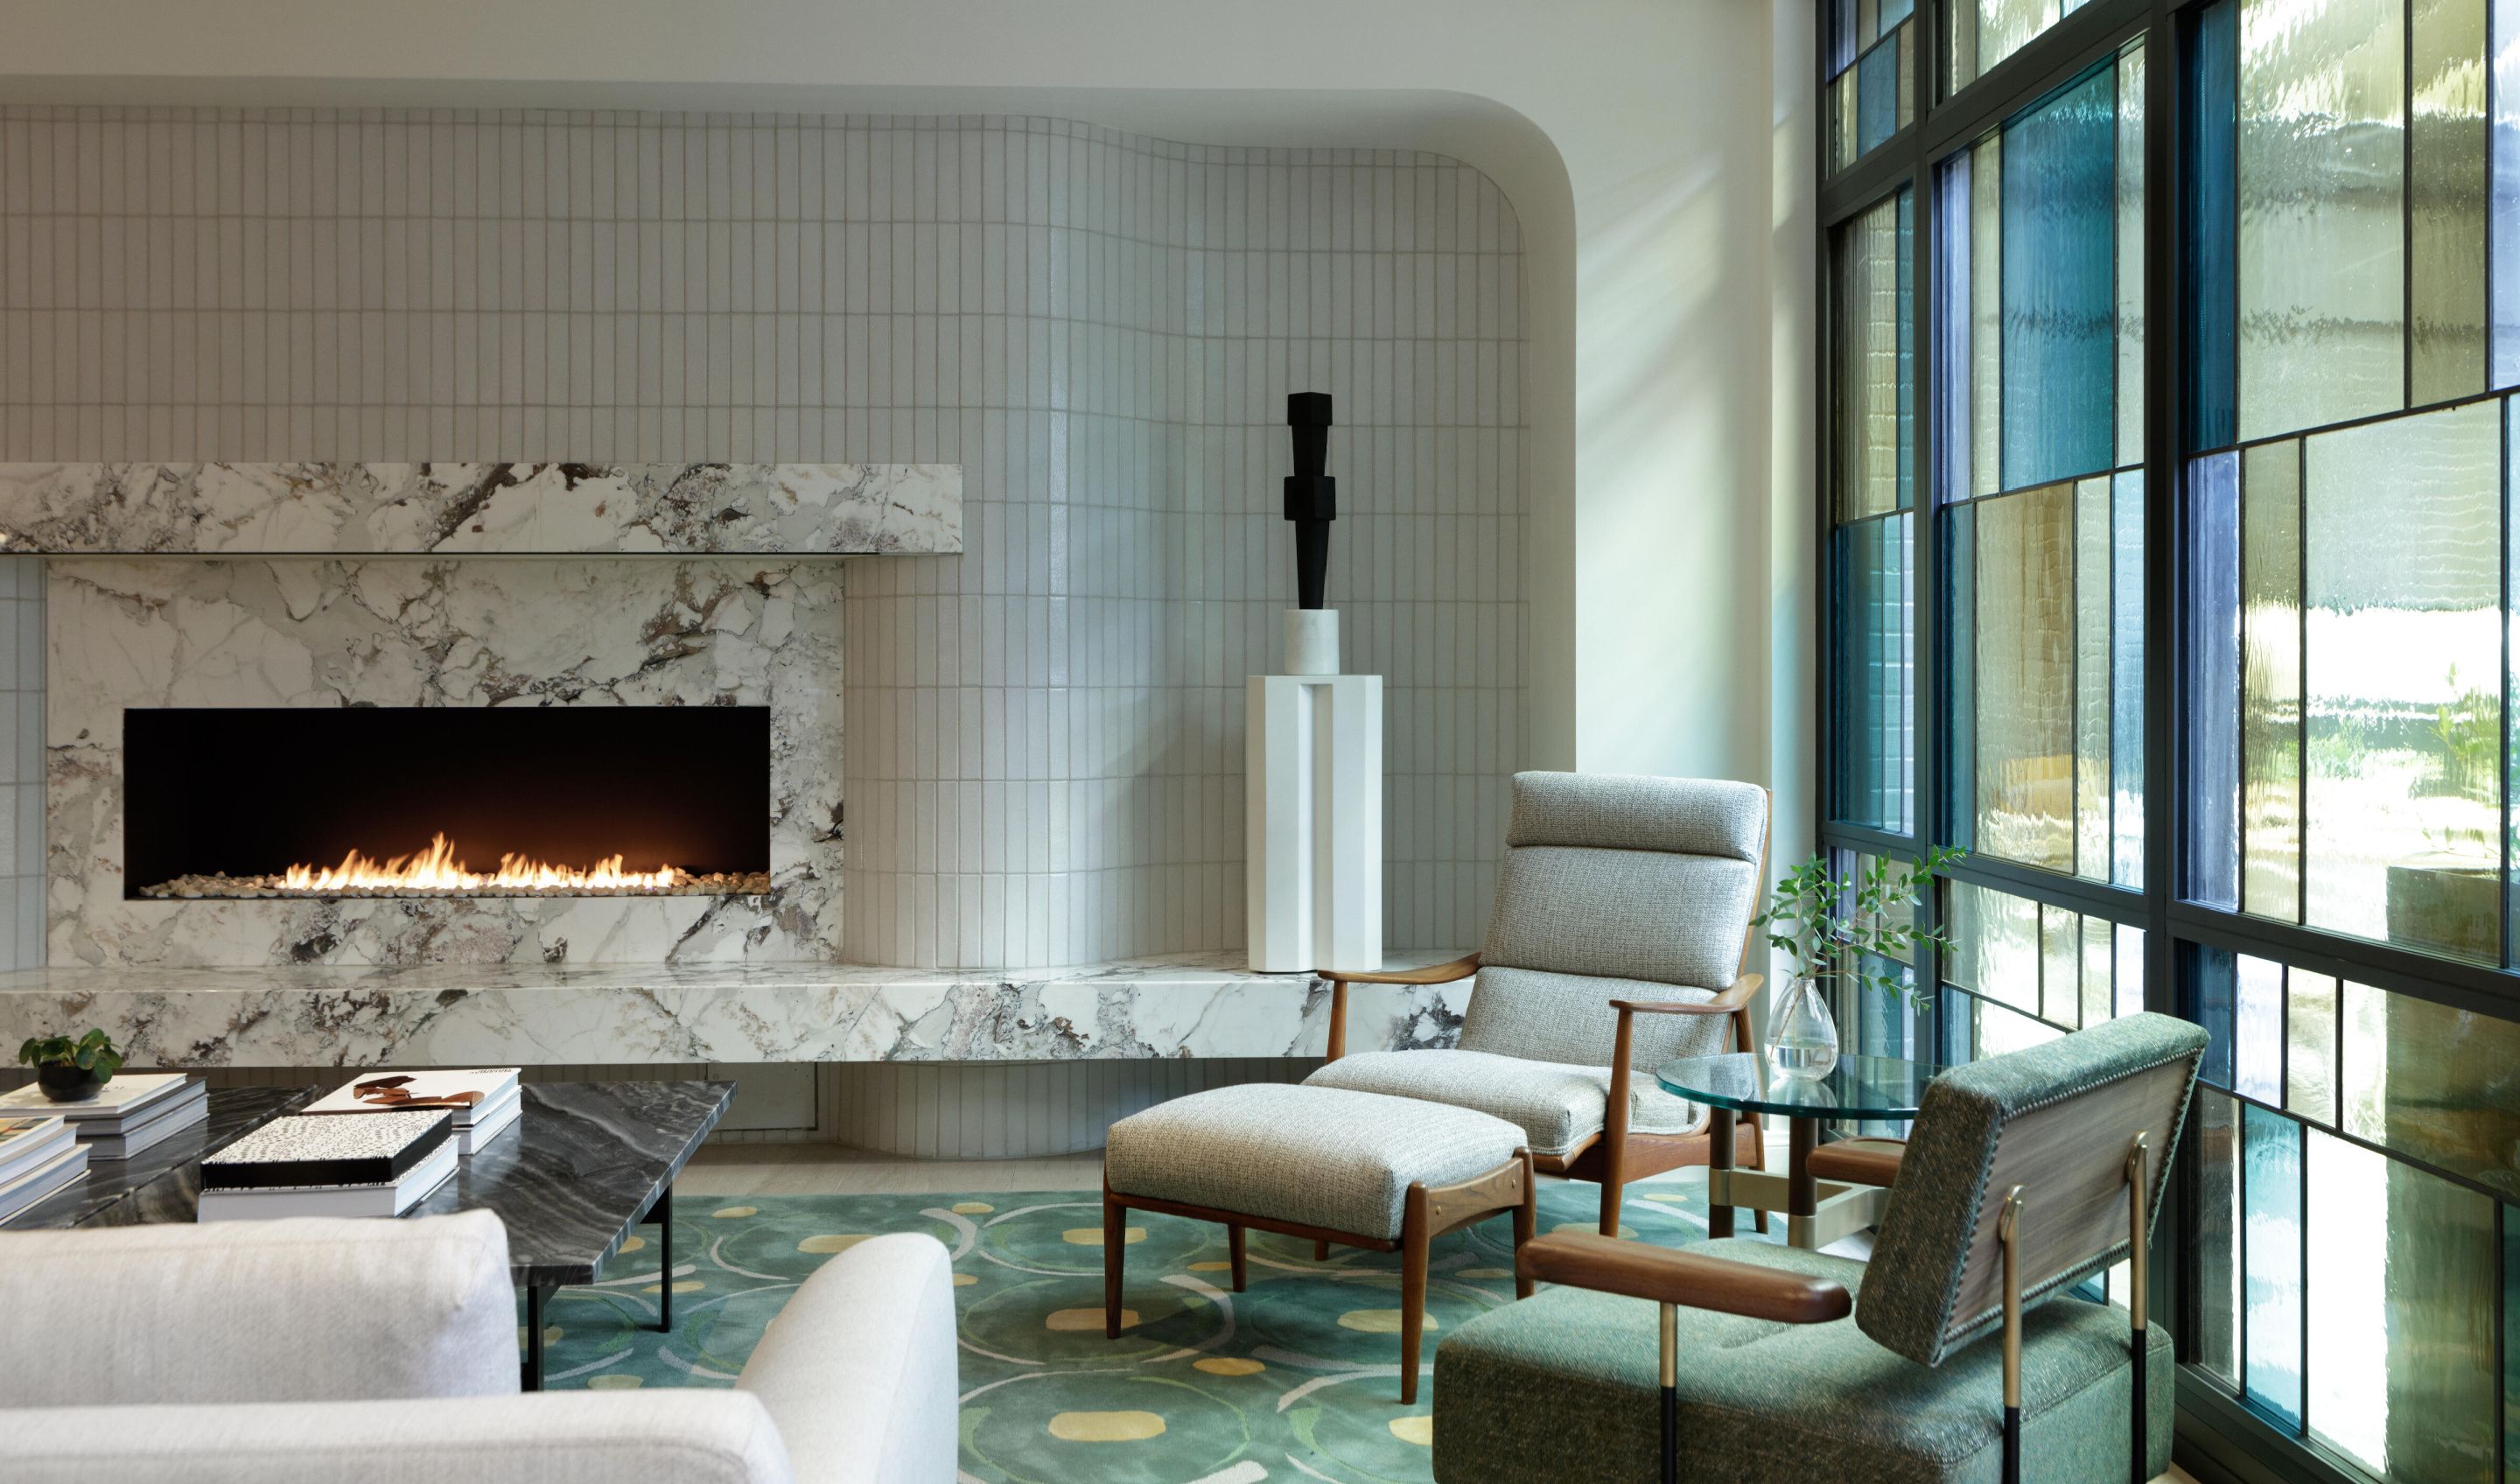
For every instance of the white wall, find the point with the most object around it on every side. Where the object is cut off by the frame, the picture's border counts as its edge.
(1647, 146)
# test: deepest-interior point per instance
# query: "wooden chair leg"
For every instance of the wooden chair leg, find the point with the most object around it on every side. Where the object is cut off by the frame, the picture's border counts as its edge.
(1115, 1244)
(1414, 1240)
(1758, 1161)
(1526, 1222)
(1321, 1250)
(1612, 1193)
(1234, 1245)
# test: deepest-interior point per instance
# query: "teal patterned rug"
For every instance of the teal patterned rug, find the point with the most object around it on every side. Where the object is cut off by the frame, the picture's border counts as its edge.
(1297, 1380)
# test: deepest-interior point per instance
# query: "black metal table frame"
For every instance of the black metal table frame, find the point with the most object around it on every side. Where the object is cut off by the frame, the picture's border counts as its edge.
(661, 1212)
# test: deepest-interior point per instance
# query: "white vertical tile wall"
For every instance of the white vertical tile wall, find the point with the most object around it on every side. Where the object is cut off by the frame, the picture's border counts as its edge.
(21, 762)
(1045, 763)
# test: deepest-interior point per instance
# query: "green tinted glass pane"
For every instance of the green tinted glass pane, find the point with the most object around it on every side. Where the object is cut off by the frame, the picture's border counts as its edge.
(2129, 255)
(2024, 663)
(2322, 212)
(1873, 688)
(2446, 190)
(1873, 374)
(2094, 704)
(2437, 1084)
(2271, 1254)
(2059, 277)
(2215, 1125)
(2403, 590)
(1986, 317)
(2310, 1057)
(1995, 940)
(2271, 680)
(2402, 1281)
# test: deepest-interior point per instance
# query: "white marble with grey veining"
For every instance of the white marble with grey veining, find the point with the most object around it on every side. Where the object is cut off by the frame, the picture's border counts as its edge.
(464, 1015)
(245, 510)
(440, 632)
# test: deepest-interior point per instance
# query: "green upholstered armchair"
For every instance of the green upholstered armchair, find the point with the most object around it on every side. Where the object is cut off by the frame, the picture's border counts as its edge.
(1621, 929)
(1956, 1347)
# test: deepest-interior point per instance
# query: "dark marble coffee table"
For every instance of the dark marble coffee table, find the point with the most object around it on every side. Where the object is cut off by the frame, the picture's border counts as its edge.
(586, 1164)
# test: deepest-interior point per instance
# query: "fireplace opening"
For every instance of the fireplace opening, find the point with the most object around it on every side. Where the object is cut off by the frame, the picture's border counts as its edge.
(444, 801)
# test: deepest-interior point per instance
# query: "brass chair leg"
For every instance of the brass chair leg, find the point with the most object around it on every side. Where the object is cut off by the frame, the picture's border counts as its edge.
(2007, 1230)
(1670, 1394)
(2139, 1303)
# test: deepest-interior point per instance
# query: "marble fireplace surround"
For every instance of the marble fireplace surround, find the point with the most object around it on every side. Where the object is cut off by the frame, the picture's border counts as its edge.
(330, 585)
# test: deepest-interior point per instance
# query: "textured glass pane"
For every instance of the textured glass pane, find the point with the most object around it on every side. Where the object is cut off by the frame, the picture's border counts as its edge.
(2025, 689)
(2098, 986)
(1841, 121)
(2403, 1283)
(2212, 666)
(1994, 937)
(2436, 1084)
(2257, 1031)
(2129, 255)
(2126, 682)
(2322, 198)
(1954, 206)
(2310, 1057)
(1986, 318)
(2130, 969)
(1986, 31)
(2271, 680)
(2059, 187)
(2215, 1125)
(2211, 146)
(2510, 1352)
(1876, 695)
(1960, 666)
(2213, 981)
(2094, 704)
(1875, 378)
(2446, 200)
(2505, 145)
(2271, 1250)
(1895, 11)
(1876, 98)
(2403, 590)
(2060, 965)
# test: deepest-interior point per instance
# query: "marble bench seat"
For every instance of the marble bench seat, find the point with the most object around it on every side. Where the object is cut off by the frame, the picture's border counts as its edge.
(457, 1015)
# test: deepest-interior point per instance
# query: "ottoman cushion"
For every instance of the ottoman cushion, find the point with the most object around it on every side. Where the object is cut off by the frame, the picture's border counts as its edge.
(1316, 1157)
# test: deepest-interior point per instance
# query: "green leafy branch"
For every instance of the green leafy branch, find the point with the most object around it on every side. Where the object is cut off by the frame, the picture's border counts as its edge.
(1833, 926)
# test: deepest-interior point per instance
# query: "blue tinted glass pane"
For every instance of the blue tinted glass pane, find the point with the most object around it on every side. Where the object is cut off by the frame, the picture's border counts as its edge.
(2212, 987)
(2126, 679)
(2213, 673)
(2060, 284)
(1895, 11)
(2271, 1250)
(1876, 97)
(2502, 228)
(1952, 287)
(2213, 248)
(1876, 695)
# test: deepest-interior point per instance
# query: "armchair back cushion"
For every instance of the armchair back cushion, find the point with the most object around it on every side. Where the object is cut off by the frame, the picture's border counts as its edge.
(1617, 888)
(300, 1310)
(2056, 1121)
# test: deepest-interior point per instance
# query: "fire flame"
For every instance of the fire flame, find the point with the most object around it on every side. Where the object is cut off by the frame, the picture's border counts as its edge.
(437, 869)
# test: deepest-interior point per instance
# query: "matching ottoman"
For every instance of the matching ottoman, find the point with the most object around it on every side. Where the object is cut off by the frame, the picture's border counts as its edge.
(1361, 1169)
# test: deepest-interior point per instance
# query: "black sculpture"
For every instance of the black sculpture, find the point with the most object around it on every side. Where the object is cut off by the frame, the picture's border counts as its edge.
(1312, 497)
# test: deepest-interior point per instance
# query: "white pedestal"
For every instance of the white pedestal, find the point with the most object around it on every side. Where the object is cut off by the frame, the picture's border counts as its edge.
(1313, 794)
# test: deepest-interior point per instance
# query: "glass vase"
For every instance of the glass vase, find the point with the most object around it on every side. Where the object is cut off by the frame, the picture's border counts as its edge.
(1802, 1035)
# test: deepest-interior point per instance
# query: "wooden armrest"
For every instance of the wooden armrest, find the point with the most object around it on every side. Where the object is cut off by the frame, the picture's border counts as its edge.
(1607, 1265)
(1433, 974)
(1724, 1004)
(1858, 1162)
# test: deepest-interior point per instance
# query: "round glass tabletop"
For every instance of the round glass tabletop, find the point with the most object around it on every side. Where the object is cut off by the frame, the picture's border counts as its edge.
(1858, 1087)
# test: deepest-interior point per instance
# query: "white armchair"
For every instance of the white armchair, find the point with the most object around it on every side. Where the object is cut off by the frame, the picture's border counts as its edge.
(293, 1352)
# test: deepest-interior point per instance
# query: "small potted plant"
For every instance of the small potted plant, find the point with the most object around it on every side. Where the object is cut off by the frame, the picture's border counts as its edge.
(1830, 926)
(71, 1071)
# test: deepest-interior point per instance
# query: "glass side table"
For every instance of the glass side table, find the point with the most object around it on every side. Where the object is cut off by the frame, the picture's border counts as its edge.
(1816, 1212)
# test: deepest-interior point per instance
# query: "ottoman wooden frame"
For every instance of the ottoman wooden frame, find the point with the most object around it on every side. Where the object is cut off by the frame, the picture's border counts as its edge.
(1428, 1212)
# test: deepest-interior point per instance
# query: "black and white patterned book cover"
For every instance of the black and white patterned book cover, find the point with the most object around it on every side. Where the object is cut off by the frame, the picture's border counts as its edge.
(378, 1148)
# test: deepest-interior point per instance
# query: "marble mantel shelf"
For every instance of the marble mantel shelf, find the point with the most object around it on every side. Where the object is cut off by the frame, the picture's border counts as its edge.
(501, 1014)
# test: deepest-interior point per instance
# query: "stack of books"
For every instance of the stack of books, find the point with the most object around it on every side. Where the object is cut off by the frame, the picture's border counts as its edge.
(133, 1112)
(486, 1102)
(381, 1164)
(38, 1156)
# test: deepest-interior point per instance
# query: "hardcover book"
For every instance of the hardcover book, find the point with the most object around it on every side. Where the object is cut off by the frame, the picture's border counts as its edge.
(127, 1094)
(302, 1150)
(463, 1090)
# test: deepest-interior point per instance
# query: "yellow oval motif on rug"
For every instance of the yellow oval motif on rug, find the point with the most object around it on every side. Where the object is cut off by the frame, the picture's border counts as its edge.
(833, 1242)
(1212, 1267)
(963, 1280)
(1105, 1427)
(1227, 1365)
(1092, 1237)
(1085, 1319)
(686, 1285)
(1487, 1273)
(733, 1213)
(551, 1334)
(973, 1208)
(632, 1244)
(1417, 1430)
(614, 1383)
(1378, 1321)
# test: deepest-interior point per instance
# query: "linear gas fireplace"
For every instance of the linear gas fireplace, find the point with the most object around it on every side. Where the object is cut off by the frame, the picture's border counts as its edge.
(446, 801)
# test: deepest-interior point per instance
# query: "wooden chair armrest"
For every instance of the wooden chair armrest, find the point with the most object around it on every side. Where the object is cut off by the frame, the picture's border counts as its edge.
(1724, 1004)
(1433, 974)
(1859, 1161)
(1607, 1265)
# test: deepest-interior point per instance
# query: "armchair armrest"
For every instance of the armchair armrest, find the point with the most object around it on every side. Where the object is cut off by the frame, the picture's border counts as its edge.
(1340, 979)
(1734, 1002)
(1744, 990)
(1581, 1260)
